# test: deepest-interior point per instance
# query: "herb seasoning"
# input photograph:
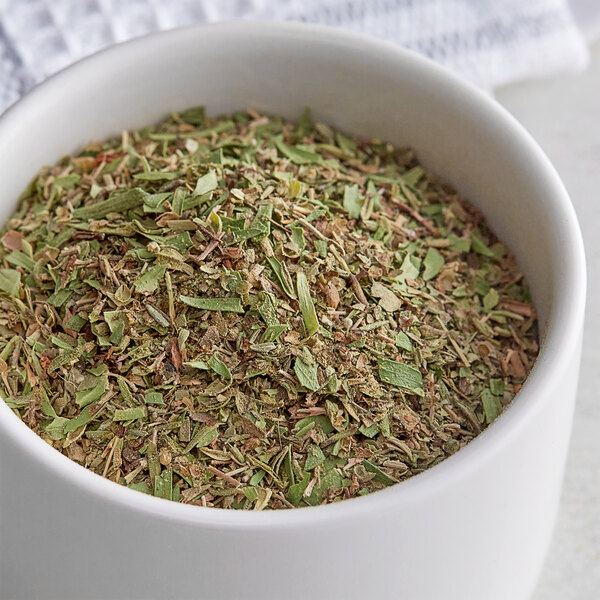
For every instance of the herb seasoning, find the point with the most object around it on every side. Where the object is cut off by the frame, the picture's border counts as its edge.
(247, 313)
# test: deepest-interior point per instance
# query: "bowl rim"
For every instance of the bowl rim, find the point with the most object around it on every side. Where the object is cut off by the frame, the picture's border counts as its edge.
(563, 328)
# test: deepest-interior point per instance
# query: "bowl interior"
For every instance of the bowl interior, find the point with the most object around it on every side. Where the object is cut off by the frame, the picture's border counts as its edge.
(364, 87)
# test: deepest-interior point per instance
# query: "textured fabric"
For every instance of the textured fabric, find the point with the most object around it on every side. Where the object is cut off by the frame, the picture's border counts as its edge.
(587, 17)
(490, 42)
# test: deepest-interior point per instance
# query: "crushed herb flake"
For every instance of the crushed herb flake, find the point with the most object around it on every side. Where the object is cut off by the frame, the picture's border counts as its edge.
(247, 313)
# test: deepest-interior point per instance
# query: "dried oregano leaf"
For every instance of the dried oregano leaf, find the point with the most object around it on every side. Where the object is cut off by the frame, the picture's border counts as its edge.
(149, 281)
(433, 262)
(307, 374)
(403, 341)
(205, 184)
(389, 300)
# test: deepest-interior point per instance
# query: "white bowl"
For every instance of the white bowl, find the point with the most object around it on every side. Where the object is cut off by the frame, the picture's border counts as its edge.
(475, 527)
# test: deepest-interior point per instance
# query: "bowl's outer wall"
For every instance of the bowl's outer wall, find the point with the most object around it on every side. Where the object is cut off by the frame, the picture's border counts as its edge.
(480, 534)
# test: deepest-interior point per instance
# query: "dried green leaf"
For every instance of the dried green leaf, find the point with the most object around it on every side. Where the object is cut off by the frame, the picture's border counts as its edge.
(491, 405)
(491, 299)
(154, 397)
(307, 306)
(403, 341)
(307, 374)
(130, 414)
(10, 282)
(60, 297)
(157, 176)
(76, 322)
(117, 322)
(296, 491)
(203, 437)
(148, 282)
(194, 116)
(371, 431)
(83, 418)
(380, 475)
(157, 315)
(296, 154)
(20, 259)
(198, 364)
(282, 274)
(219, 304)
(309, 422)
(205, 184)
(400, 375)
(321, 247)
(433, 262)
(479, 246)
(87, 396)
(141, 486)
(330, 480)
(67, 182)
(272, 333)
(314, 458)
(459, 244)
(352, 201)
(60, 343)
(410, 269)
(298, 238)
(266, 308)
(388, 300)
(154, 203)
(163, 485)
(56, 428)
(251, 493)
(497, 386)
(219, 367)
(119, 202)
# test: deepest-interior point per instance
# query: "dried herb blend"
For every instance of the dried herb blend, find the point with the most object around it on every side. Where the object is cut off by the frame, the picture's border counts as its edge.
(246, 313)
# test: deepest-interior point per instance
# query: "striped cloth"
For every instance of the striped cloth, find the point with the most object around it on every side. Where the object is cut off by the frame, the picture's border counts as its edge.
(490, 42)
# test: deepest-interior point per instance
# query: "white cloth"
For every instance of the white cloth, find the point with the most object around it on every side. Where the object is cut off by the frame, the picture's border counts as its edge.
(491, 42)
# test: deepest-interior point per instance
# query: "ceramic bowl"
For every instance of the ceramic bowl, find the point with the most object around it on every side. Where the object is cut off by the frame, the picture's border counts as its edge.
(476, 526)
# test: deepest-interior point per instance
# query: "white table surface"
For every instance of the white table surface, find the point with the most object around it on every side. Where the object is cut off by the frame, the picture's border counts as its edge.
(563, 115)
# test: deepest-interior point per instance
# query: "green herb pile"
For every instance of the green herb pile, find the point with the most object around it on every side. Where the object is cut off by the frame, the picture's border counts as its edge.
(247, 313)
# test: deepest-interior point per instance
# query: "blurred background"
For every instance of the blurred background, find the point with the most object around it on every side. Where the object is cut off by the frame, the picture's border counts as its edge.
(541, 59)
(491, 42)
